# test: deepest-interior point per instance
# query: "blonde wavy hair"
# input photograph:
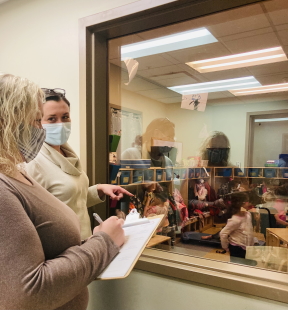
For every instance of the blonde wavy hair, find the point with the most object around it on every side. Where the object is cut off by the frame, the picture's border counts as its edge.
(19, 100)
(217, 139)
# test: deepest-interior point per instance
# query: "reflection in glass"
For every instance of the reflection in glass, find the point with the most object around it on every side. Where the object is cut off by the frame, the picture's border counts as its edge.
(219, 174)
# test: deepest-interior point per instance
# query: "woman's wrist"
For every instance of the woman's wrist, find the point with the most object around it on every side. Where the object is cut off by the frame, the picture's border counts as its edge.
(100, 192)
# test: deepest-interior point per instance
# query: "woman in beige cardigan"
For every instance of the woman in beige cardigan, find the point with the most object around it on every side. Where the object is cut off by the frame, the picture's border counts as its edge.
(58, 169)
(43, 264)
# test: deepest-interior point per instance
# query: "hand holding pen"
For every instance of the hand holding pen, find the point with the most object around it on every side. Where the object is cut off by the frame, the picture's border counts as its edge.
(97, 218)
(112, 227)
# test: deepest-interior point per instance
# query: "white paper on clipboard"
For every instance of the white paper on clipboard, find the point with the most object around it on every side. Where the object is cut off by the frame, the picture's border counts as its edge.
(137, 237)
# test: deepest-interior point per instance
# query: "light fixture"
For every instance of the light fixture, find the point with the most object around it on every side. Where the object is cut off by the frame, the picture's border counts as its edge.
(168, 43)
(216, 86)
(263, 120)
(252, 58)
(274, 88)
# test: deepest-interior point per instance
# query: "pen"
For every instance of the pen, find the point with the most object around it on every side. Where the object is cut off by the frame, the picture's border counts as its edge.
(97, 218)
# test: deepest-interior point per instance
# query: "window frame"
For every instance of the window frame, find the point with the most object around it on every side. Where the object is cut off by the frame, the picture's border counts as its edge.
(94, 33)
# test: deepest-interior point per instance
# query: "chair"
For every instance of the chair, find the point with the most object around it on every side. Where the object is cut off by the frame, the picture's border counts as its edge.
(272, 239)
(276, 258)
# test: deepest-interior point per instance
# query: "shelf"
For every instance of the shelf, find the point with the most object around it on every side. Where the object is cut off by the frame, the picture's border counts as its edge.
(185, 171)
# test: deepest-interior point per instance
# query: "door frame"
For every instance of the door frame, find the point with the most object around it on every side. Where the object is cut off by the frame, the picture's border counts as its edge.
(249, 139)
(94, 33)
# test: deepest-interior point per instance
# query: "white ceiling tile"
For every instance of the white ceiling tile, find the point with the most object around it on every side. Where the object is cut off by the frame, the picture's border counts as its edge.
(225, 101)
(277, 11)
(253, 43)
(153, 61)
(239, 30)
(268, 69)
(156, 71)
(138, 84)
(219, 95)
(237, 21)
(174, 79)
(245, 34)
(170, 100)
(283, 35)
(157, 93)
(199, 52)
(276, 78)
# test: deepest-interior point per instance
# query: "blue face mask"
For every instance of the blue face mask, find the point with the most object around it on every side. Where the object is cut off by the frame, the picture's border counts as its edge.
(58, 133)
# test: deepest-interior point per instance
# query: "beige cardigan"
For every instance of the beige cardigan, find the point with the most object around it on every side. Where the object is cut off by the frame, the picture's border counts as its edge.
(64, 178)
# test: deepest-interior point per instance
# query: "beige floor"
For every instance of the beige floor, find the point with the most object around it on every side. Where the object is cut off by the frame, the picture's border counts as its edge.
(212, 230)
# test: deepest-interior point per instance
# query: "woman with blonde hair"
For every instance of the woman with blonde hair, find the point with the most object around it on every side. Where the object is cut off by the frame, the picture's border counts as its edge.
(216, 149)
(43, 263)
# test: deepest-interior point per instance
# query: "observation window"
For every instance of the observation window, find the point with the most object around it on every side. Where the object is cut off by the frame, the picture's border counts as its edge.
(201, 132)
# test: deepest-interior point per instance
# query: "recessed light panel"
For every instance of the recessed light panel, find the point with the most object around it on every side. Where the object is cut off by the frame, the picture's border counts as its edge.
(252, 58)
(168, 43)
(260, 90)
(263, 120)
(215, 86)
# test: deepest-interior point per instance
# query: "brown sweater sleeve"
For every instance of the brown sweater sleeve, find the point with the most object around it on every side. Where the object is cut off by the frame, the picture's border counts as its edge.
(28, 280)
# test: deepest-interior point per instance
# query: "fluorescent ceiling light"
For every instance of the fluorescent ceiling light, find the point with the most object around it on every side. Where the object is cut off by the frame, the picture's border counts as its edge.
(260, 90)
(253, 58)
(271, 120)
(168, 43)
(216, 86)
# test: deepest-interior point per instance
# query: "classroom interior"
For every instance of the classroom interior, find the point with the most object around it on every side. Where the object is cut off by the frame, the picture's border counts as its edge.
(224, 91)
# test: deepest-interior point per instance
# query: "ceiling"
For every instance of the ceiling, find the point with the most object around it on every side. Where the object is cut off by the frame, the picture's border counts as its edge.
(254, 27)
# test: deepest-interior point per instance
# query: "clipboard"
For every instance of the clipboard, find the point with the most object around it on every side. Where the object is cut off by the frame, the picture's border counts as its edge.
(137, 236)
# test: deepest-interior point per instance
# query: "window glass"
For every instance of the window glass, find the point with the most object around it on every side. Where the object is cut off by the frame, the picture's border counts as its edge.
(198, 132)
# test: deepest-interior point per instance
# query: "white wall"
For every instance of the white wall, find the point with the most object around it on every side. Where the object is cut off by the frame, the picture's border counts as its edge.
(39, 40)
(268, 141)
(229, 119)
(190, 125)
(150, 108)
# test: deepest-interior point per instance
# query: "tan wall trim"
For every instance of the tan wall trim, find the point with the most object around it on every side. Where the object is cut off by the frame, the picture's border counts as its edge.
(117, 22)
(243, 279)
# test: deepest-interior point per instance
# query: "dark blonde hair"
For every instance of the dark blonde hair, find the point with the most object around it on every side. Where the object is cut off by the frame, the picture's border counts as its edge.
(19, 99)
(161, 124)
(218, 143)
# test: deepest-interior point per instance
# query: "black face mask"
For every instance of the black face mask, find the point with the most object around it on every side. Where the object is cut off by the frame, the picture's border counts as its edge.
(160, 150)
(218, 156)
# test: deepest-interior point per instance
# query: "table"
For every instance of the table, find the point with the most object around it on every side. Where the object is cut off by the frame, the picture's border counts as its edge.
(159, 239)
(281, 233)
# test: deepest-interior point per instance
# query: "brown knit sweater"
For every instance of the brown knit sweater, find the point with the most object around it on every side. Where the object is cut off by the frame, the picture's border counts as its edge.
(43, 264)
